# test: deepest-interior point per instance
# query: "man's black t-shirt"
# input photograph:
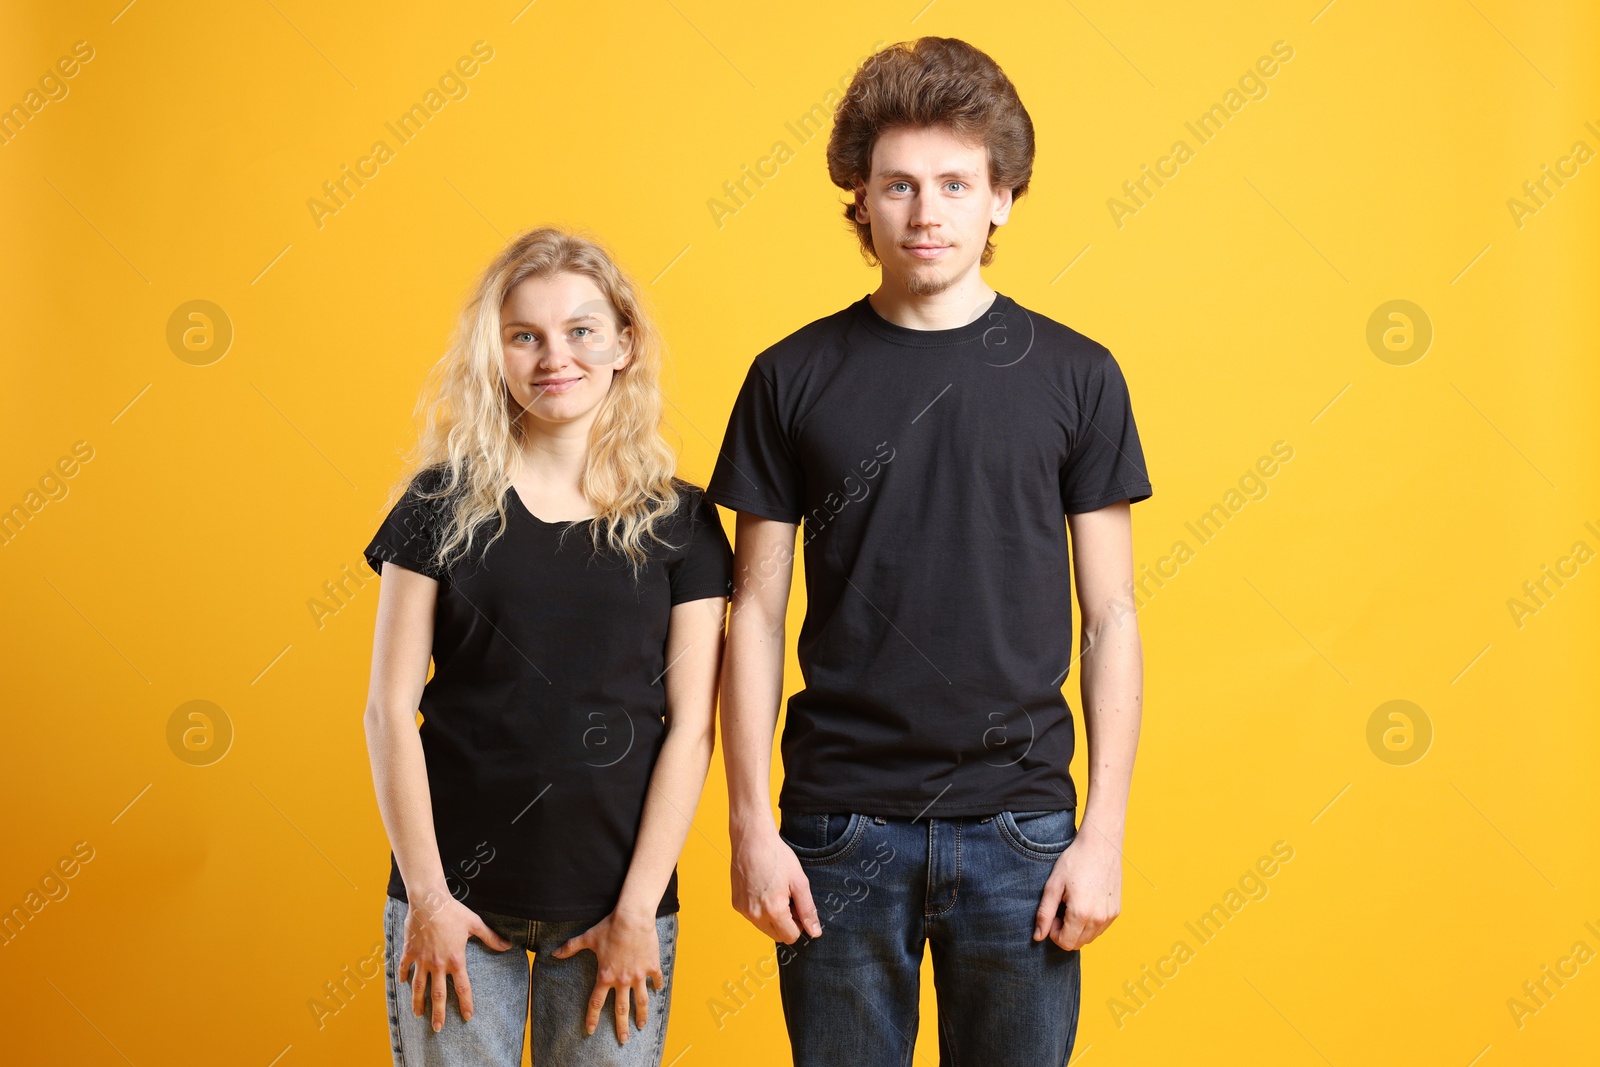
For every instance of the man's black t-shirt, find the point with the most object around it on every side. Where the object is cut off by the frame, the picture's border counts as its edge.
(544, 715)
(932, 472)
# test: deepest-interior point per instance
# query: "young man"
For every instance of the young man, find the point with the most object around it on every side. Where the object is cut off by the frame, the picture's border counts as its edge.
(931, 437)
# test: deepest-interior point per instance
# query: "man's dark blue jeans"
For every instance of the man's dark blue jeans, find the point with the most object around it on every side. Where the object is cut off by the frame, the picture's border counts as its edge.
(969, 887)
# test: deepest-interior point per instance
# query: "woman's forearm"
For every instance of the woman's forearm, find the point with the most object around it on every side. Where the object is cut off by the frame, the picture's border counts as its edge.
(675, 787)
(400, 778)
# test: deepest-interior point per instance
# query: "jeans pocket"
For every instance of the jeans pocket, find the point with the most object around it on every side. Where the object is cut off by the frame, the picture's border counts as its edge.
(820, 838)
(1041, 835)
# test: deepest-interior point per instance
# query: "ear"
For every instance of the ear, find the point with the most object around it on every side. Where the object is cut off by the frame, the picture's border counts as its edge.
(1002, 206)
(624, 349)
(861, 203)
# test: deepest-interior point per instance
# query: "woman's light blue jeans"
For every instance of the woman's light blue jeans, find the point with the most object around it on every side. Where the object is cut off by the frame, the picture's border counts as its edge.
(507, 988)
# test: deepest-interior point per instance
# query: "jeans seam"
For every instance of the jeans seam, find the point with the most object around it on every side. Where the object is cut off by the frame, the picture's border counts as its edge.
(851, 841)
(1015, 840)
(955, 891)
(399, 1048)
(948, 1029)
(666, 996)
(1077, 1005)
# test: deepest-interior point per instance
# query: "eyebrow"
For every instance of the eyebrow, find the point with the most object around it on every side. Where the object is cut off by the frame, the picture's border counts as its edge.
(580, 318)
(970, 176)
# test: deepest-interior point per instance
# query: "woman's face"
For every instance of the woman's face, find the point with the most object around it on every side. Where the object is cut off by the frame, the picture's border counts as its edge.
(562, 346)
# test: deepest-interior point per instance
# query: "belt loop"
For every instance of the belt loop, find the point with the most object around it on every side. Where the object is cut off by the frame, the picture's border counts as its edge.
(879, 819)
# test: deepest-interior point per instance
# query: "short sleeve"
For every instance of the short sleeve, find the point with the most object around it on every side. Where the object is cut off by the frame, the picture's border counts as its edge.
(705, 569)
(758, 470)
(1106, 462)
(410, 533)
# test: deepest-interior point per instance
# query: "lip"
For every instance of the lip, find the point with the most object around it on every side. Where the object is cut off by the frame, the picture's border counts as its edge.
(556, 385)
(927, 251)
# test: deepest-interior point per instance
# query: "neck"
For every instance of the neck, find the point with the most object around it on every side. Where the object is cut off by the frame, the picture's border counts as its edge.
(554, 454)
(956, 305)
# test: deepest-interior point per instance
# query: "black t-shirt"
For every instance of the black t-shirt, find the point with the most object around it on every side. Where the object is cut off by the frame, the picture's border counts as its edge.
(932, 472)
(545, 712)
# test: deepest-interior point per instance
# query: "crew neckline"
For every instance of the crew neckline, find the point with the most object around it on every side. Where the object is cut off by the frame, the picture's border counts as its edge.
(523, 507)
(868, 317)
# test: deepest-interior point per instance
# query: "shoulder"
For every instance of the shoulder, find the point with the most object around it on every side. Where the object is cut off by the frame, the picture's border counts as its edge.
(1074, 363)
(428, 485)
(1053, 338)
(692, 503)
(790, 354)
(695, 520)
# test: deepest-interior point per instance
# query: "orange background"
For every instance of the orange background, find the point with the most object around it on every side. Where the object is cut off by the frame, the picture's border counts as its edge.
(1430, 878)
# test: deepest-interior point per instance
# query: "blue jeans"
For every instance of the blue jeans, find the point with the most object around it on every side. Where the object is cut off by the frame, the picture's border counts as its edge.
(970, 888)
(504, 987)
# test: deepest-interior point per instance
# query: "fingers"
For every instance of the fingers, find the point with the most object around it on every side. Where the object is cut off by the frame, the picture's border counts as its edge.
(419, 985)
(597, 1000)
(805, 909)
(488, 935)
(1070, 932)
(1076, 931)
(621, 1014)
(641, 1003)
(1045, 920)
(463, 990)
(436, 978)
(571, 946)
(776, 922)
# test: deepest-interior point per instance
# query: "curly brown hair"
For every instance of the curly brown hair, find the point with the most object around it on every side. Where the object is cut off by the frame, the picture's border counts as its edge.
(932, 81)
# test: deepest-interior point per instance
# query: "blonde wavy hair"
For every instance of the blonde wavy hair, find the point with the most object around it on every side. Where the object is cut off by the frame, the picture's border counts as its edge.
(470, 429)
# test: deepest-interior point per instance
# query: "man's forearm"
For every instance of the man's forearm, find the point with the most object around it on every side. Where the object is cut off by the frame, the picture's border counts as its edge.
(1113, 703)
(752, 689)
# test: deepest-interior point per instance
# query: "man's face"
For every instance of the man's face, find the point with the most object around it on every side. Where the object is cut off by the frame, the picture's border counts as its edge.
(930, 204)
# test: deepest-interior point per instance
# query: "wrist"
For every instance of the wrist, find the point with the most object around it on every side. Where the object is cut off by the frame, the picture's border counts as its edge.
(750, 823)
(1101, 832)
(429, 896)
(631, 912)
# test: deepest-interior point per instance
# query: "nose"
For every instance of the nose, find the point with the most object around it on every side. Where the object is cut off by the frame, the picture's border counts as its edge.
(557, 354)
(924, 212)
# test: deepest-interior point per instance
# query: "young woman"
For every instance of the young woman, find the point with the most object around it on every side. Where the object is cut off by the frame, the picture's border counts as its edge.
(570, 592)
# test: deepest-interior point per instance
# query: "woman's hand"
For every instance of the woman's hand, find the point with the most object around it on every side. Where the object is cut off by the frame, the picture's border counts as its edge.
(628, 952)
(436, 942)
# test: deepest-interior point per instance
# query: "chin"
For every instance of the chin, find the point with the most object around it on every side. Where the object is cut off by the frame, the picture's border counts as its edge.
(927, 282)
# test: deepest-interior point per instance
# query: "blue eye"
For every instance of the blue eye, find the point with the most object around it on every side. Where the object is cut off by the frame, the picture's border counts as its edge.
(590, 329)
(906, 184)
(520, 334)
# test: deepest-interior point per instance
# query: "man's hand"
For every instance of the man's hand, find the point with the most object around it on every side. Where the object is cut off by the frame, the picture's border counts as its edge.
(1088, 878)
(769, 886)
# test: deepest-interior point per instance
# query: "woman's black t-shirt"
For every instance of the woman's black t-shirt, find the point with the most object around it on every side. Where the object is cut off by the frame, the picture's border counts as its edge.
(545, 711)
